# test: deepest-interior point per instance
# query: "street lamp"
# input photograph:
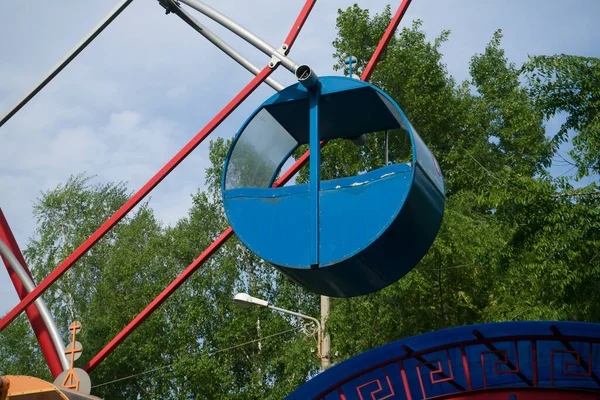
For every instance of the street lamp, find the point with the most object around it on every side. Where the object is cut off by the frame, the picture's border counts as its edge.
(247, 301)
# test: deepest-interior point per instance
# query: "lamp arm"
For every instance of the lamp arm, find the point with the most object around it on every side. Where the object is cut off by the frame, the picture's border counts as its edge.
(308, 317)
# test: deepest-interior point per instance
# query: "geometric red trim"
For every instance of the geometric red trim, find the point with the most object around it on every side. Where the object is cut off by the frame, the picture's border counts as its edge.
(567, 364)
(379, 389)
(503, 357)
(438, 371)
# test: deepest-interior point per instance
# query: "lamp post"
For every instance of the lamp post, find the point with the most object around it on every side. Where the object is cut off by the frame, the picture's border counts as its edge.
(247, 301)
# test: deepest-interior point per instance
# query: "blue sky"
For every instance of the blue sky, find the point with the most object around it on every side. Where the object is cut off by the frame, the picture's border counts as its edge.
(148, 83)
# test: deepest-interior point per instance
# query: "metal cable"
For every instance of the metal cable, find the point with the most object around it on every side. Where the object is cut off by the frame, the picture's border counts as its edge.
(209, 354)
(66, 60)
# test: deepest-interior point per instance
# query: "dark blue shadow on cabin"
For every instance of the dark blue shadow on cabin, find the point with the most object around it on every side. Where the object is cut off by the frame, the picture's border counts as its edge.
(373, 228)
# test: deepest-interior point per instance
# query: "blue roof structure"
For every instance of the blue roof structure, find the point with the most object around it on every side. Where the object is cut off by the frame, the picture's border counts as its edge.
(527, 356)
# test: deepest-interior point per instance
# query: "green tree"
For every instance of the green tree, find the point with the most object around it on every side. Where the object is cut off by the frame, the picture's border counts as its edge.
(198, 344)
(222, 359)
(571, 85)
(507, 248)
(20, 353)
(108, 286)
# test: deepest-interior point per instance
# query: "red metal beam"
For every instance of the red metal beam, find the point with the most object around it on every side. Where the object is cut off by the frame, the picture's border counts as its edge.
(153, 306)
(385, 39)
(135, 199)
(164, 295)
(405, 383)
(465, 362)
(39, 327)
(224, 236)
(299, 23)
(534, 362)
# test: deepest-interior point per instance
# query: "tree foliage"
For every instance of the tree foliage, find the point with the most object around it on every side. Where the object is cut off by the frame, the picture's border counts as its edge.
(515, 242)
(571, 85)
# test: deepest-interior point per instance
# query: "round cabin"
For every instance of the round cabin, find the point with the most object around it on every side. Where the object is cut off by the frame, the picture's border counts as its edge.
(341, 237)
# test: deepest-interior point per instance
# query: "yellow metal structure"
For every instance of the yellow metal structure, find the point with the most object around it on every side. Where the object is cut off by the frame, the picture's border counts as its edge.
(29, 388)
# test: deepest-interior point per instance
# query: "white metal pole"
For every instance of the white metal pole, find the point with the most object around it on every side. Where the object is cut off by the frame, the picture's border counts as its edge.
(326, 344)
(29, 285)
(221, 44)
(242, 32)
(387, 138)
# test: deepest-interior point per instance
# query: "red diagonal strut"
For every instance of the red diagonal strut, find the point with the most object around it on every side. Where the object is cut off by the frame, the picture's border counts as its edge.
(135, 199)
(172, 164)
(299, 23)
(150, 308)
(162, 297)
(38, 325)
(385, 40)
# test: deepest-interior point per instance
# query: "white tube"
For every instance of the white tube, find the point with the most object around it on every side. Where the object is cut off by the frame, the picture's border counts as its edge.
(39, 303)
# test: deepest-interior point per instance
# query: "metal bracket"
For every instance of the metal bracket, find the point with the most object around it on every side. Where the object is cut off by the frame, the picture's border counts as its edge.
(169, 5)
(173, 6)
(276, 57)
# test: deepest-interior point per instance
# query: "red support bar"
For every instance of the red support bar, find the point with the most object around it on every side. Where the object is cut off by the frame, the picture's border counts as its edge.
(534, 362)
(164, 295)
(135, 199)
(39, 327)
(465, 363)
(299, 23)
(385, 39)
(153, 306)
(157, 178)
(405, 381)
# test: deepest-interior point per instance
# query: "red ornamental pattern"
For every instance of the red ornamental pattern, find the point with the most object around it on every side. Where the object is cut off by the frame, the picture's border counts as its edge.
(415, 375)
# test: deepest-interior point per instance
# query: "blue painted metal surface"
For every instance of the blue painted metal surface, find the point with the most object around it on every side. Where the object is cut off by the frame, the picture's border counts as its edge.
(453, 362)
(373, 228)
(315, 176)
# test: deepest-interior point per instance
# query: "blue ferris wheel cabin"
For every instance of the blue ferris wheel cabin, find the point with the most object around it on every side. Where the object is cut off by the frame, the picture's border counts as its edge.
(343, 237)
